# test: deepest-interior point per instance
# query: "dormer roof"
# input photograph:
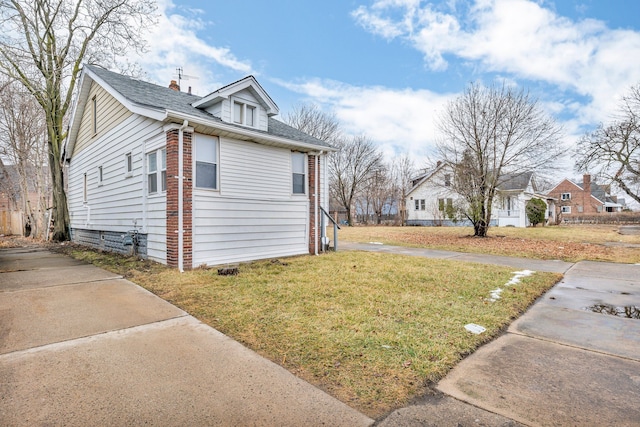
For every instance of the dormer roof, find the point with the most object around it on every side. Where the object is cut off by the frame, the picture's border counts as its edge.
(248, 83)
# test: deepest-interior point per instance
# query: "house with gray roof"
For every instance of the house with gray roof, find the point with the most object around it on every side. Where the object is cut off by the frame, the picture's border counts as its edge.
(432, 197)
(188, 180)
(514, 192)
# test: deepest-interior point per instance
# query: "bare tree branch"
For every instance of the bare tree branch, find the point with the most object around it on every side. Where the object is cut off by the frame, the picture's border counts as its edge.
(612, 152)
(491, 131)
(43, 44)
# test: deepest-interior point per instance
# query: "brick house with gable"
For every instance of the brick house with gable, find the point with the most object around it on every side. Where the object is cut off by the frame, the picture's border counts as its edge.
(586, 197)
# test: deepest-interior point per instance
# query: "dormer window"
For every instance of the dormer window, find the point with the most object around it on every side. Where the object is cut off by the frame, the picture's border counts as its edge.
(244, 114)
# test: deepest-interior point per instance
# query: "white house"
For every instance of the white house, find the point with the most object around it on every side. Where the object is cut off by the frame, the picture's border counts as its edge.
(515, 190)
(204, 180)
(432, 195)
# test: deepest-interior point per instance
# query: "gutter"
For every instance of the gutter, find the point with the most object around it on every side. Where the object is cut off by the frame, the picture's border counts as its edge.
(245, 133)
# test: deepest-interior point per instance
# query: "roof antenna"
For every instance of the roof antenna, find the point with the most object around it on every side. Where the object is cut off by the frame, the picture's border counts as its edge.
(181, 76)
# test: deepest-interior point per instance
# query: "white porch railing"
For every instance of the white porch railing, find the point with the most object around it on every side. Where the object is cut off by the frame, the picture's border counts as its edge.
(509, 213)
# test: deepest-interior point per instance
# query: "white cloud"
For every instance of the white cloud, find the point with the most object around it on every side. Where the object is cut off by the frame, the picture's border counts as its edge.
(174, 43)
(399, 120)
(520, 37)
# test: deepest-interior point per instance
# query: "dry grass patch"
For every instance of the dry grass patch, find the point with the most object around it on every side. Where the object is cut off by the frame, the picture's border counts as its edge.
(568, 243)
(371, 329)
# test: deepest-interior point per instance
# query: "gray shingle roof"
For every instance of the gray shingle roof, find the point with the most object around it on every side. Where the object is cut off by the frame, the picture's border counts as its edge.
(512, 182)
(159, 97)
(596, 191)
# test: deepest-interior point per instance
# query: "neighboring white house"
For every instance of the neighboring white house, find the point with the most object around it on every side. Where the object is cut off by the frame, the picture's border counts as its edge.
(514, 192)
(432, 195)
(205, 180)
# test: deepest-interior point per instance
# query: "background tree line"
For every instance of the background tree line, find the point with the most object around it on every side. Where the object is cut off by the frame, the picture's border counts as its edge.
(361, 180)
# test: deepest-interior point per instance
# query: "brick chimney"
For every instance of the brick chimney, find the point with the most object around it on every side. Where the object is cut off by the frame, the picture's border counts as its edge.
(174, 86)
(586, 183)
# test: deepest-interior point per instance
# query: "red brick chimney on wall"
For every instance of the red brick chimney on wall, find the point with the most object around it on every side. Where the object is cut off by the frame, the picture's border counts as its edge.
(174, 85)
(586, 192)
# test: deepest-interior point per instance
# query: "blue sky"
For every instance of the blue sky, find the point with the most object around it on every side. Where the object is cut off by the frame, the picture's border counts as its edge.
(387, 68)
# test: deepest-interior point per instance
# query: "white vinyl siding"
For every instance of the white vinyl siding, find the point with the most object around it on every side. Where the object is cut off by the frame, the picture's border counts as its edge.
(120, 201)
(236, 230)
(155, 213)
(254, 215)
(253, 170)
(108, 114)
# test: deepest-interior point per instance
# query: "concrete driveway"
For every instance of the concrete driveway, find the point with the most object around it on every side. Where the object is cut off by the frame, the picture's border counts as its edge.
(81, 346)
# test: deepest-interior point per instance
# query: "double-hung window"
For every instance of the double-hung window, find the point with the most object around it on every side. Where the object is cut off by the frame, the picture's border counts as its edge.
(565, 196)
(206, 162)
(298, 172)
(157, 171)
(244, 114)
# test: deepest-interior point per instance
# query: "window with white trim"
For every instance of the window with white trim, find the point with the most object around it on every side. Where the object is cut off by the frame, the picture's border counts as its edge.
(298, 172)
(157, 171)
(565, 196)
(206, 161)
(420, 204)
(128, 164)
(244, 114)
(565, 209)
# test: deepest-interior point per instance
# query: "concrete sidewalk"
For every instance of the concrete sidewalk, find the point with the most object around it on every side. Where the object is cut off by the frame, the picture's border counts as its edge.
(559, 364)
(80, 346)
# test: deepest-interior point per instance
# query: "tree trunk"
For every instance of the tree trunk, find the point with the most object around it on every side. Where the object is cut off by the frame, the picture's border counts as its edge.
(60, 209)
(480, 229)
(349, 221)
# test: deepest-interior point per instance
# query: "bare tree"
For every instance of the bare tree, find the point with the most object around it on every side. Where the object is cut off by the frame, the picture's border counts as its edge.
(613, 152)
(313, 121)
(350, 167)
(22, 142)
(377, 193)
(491, 131)
(43, 44)
(402, 170)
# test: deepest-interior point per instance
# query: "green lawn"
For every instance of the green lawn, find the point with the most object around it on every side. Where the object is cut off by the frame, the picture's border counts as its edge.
(372, 329)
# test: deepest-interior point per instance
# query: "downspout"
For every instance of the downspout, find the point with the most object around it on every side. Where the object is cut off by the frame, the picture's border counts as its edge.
(180, 196)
